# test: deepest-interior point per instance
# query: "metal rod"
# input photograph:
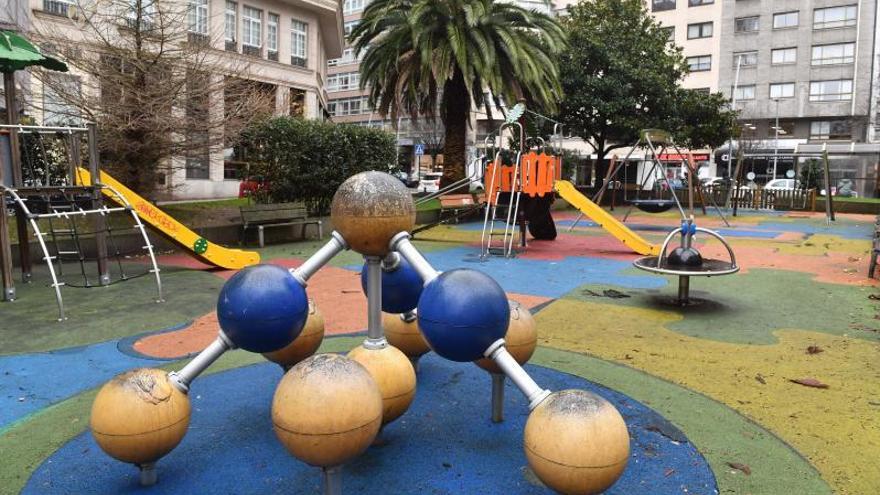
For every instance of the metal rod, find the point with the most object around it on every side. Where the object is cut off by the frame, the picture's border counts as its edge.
(334, 246)
(402, 245)
(533, 392)
(80, 212)
(497, 397)
(375, 333)
(332, 480)
(98, 203)
(42, 128)
(684, 286)
(183, 378)
(149, 476)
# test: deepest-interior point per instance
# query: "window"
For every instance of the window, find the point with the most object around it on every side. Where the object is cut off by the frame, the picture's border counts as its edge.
(344, 81)
(670, 33)
(746, 25)
(835, 17)
(785, 20)
(745, 92)
(697, 3)
(352, 6)
(836, 90)
(299, 43)
(272, 33)
(197, 16)
(229, 24)
(58, 90)
(661, 5)
(781, 56)
(701, 30)
(349, 26)
(782, 90)
(347, 58)
(348, 106)
(58, 7)
(251, 27)
(830, 129)
(786, 128)
(704, 91)
(745, 59)
(143, 11)
(699, 63)
(838, 53)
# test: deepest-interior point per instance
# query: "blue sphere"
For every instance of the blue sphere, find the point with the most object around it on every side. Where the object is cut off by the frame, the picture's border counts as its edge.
(462, 312)
(401, 287)
(262, 308)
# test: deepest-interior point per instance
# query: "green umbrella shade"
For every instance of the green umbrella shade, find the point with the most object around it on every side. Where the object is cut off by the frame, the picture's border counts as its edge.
(16, 53)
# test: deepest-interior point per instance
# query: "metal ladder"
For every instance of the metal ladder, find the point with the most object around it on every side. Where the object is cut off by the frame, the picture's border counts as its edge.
(509, 214)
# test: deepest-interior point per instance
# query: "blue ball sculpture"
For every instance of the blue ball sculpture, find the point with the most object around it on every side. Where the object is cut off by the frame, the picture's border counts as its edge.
(262, 308)
(401, 287)
(462, 312)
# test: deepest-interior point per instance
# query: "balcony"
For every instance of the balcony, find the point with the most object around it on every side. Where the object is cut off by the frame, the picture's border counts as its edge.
(59, 7)
(231, 46)
(253, 51)
(299, 62)
(273, 56)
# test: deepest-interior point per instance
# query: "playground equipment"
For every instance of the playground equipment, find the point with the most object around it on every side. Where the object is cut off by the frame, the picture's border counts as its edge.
(57, 211)
(531, 174)
(655, 143)
(328, 409)
(685, 261)
(191, 243)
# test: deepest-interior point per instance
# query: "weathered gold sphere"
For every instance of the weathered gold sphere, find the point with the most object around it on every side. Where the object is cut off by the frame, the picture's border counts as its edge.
(305, 345)
(393, 373)
(327, 410)
(369, 209)
(576, 442)
(405, 335)
(520, 340)
(139, 416)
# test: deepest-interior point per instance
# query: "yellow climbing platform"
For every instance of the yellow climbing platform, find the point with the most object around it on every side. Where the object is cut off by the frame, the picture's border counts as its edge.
(192, 244)
(567, 191)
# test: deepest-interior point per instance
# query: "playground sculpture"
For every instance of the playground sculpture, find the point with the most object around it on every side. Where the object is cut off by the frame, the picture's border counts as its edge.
(329, 408)
(685, 261)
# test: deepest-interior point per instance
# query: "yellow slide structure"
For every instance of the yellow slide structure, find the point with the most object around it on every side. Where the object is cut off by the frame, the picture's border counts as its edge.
(567, 191)
(193, 244)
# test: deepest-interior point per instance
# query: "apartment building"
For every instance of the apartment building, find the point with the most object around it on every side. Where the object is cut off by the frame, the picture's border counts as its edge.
(694, 25)
(283, 45)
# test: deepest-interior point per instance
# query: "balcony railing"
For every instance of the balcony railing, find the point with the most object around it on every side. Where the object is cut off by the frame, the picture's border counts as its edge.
(58, 7)
(253, 51)
(299, 61)
(273, 56)
(231, 46)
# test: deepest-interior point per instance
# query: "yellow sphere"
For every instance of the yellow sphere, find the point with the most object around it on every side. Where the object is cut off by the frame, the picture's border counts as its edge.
(520, 340)
(139, 416)
(369, 209)
(405, 335)
(394, 374)
(327, 410)
(576, 442)
(308, 341)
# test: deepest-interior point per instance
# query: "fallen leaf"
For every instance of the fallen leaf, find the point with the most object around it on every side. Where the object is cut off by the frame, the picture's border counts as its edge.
(668, 472)
(814, 349)
(740, 467)
(809, 382)
(760, 379)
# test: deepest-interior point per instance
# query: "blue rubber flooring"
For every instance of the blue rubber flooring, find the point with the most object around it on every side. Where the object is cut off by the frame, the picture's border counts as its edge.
(445, 444)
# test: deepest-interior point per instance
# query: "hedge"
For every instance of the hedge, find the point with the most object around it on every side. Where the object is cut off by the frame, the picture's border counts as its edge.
(307, 160)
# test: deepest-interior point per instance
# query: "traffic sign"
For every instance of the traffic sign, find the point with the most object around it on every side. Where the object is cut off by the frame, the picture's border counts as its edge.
(420, 149)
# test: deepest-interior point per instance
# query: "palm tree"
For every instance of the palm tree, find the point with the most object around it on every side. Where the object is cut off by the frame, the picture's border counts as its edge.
(424, 57)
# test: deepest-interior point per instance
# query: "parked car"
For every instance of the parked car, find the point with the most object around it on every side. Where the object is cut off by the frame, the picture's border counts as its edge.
(782, 184)
(430, 182)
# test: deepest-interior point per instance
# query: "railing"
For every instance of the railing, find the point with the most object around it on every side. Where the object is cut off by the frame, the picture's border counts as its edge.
(57, 7)
(763, 199)
(273, 56)
(253, 51)
(299, 61)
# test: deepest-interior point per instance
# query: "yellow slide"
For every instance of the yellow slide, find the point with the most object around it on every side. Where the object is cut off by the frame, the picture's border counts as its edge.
(192, 243)
(567, 191)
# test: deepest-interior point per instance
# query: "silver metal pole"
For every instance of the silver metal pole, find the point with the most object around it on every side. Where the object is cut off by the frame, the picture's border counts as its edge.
(334, 246)
(402, 245)
(497, 397)
(182, 379)
(776, 139)
(684, 285)
(533, 392)
(149, 476)
(375, 333)
(332, 480)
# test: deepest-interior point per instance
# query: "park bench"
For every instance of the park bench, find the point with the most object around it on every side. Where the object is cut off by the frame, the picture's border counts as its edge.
(263, 216)
(456, 203)
(875, 249)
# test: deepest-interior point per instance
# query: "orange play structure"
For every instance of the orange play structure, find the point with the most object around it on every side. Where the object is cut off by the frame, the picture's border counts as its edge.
(539, 173)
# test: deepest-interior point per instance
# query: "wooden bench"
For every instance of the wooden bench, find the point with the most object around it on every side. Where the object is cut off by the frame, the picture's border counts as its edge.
(459, 202)
(276, 215)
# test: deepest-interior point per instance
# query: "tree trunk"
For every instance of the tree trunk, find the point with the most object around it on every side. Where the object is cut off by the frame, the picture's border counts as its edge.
(455, 119)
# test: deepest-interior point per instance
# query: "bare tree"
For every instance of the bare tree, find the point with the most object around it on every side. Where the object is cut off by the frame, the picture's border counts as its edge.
(432, 134)
(147, 73)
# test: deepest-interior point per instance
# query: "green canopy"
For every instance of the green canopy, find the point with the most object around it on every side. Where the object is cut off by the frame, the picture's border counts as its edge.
(16, 53)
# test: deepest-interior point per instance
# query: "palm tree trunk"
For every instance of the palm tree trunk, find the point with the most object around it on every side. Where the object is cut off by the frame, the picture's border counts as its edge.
(455, 119)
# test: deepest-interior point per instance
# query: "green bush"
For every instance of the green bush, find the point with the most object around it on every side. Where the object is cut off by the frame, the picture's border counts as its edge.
(307, 160)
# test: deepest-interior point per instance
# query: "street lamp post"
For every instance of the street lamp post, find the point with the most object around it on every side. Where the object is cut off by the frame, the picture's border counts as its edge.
(776, 138)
